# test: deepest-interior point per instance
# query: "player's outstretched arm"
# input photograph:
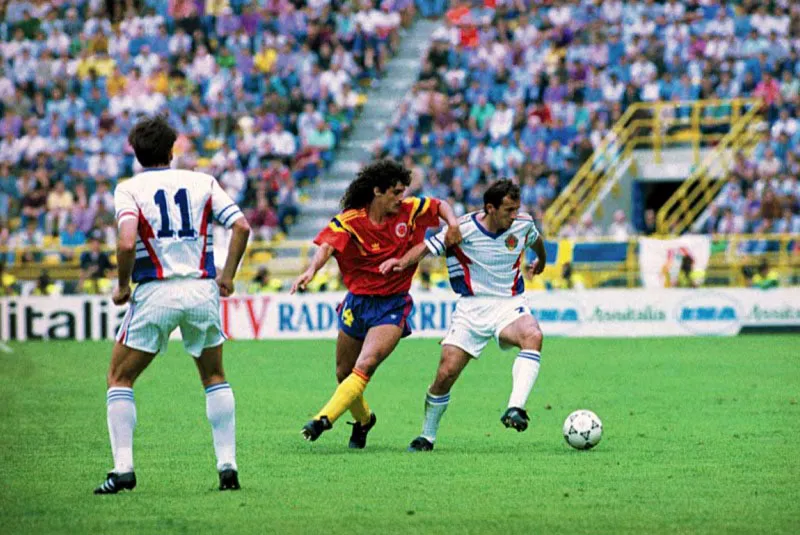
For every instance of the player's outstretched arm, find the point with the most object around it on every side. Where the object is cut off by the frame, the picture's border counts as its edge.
(541, 255)
(236, 248)
(126, 256)
(453, 236)
(323, 254)
(411, 258)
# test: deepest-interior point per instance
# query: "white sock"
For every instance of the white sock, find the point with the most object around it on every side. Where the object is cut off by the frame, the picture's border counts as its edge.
(221, 412)
(121, 415)
(524, 373)
(434, 409)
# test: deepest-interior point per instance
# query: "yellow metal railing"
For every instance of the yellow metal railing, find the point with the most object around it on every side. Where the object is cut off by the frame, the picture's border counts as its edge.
(657, 126)
(698, 191)
(730, 254)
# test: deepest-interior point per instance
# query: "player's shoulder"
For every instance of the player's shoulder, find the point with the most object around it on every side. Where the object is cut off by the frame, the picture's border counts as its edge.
(524, 220)
(467, 220)
(523, 216)
(417, 204)
(349, 215)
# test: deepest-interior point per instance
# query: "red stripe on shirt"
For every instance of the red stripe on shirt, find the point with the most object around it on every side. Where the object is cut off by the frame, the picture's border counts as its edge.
(465, 262)
(204, 234)
(146, 234)
(517, 265)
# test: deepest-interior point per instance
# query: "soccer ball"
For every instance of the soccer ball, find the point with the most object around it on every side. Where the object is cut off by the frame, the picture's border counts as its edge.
(583, 430)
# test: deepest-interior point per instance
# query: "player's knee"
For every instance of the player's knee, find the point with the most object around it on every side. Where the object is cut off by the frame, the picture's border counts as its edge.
(445, 377)
(342, 372)
(532, 339)
(116, 377)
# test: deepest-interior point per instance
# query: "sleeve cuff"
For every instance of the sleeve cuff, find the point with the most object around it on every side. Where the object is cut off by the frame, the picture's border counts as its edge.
(125, 216)
(435, 246)
(232, 218)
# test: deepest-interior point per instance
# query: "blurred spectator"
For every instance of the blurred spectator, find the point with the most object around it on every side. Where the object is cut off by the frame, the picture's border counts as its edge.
(287, 206)
(620, 229)
(264, 283)
(568, 279)
(44, 285)
(29, 240)
(95, 265)
(59, 205)
(765, 277)
(687, 276)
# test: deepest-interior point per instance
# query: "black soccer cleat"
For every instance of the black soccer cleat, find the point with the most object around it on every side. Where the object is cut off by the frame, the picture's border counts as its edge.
(516, 418)
(313, 429)
(420, 444)
(116, 482)
(229, 479)
(358, 438)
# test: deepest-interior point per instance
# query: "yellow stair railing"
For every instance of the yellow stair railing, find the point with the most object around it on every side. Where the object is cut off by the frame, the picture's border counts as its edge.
(656, 126)
(698, 191)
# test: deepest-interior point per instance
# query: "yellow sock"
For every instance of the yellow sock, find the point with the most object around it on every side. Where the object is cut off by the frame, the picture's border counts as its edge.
(360, 410)
(347, 391)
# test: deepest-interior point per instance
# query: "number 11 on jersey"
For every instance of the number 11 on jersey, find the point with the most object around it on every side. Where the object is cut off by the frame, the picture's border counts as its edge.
(181, 198)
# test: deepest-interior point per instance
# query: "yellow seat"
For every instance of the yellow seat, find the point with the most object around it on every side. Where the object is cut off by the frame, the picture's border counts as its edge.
(51, 242)
(362, 99)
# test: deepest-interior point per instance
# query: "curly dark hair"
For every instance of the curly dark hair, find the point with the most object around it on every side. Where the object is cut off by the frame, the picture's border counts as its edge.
(382, 174)
(152, 139)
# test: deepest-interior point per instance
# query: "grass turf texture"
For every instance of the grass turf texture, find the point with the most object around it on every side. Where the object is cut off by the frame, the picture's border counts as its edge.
(699, 437)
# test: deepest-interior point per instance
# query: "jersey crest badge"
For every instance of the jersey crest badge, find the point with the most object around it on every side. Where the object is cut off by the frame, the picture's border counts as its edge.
(512, 242)
(401, 230)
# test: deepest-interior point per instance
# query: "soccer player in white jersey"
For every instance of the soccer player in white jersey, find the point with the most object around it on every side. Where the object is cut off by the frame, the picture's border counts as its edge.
(164, 245)
(485, 271)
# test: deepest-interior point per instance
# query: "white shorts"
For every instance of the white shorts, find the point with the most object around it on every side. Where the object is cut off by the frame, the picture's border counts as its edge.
(158, 307)
(479, 319)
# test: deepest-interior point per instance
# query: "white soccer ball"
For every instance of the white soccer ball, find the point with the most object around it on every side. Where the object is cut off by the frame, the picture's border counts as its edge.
(583, 430)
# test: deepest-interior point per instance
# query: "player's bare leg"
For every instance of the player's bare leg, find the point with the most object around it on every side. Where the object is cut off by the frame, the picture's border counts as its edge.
(126, 365)
(453, 361)
(221, 413)
(347, 351)
(526, 335)
(379, 344)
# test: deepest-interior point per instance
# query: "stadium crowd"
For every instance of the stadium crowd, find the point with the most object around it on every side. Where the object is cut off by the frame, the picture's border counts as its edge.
(527, 90)
(261, 92)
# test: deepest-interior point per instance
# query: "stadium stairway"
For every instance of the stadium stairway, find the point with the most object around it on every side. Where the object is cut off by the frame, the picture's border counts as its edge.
(401, 73)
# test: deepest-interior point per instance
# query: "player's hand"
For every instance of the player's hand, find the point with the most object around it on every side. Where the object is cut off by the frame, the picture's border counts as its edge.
(537, 267)
(121, 295)
(301, 282)
(393, 264)
(453, 237)
(225, 286)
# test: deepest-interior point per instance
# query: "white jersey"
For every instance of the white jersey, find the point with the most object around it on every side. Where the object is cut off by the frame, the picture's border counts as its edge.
(174, 209)
(485, 263)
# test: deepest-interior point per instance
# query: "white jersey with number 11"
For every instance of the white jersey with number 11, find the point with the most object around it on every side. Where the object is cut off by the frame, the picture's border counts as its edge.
(174, 209)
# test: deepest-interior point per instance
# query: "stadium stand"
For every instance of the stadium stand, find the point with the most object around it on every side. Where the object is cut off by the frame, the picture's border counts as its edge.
(531, 91)
(260, 92)
(553, 95)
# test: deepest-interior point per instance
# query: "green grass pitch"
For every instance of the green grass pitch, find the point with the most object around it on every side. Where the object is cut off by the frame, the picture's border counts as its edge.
(699, 437)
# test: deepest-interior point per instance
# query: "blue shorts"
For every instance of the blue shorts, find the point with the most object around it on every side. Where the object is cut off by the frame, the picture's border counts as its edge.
(359, 313)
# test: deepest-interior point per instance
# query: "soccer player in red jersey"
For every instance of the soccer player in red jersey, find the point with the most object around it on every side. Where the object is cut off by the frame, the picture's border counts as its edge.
(376, 224)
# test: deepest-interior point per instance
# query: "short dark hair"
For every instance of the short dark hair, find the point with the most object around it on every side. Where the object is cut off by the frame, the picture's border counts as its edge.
(382, 174)
(152, 139)
(498, 191)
